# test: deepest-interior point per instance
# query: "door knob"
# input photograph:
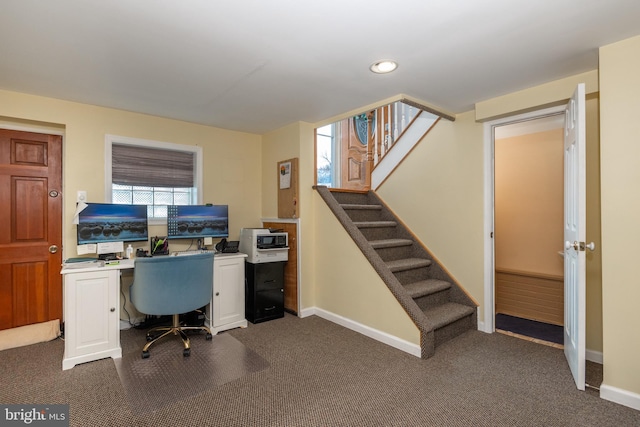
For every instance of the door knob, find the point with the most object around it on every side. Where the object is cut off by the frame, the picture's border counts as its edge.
(53, 249)
(579, 246)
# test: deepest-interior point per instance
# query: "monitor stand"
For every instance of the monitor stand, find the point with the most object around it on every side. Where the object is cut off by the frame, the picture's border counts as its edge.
(107, 257)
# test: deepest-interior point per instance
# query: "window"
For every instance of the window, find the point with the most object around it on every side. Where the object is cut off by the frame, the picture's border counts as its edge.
(152, 173)
(326, 156)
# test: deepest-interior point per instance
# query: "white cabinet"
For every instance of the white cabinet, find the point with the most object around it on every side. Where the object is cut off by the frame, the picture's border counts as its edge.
(226, 310)
(91, 315)
(92, 299)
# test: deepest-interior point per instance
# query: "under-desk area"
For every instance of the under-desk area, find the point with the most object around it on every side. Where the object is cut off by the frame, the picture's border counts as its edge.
(92, 298)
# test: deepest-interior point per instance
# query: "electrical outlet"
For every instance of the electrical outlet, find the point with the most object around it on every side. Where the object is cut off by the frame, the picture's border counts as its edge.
(81, 196)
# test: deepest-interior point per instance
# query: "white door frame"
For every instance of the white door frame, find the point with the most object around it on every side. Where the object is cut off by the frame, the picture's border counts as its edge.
(488, 322)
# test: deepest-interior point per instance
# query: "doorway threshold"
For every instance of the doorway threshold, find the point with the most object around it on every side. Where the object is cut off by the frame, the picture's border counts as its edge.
(534, 340)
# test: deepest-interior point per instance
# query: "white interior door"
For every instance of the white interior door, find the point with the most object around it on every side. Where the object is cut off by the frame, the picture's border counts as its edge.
(575, 236)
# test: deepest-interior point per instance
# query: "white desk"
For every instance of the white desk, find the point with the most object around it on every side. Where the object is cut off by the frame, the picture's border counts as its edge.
(91, 304)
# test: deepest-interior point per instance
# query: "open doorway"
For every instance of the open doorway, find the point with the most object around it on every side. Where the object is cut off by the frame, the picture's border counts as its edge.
(528, 215)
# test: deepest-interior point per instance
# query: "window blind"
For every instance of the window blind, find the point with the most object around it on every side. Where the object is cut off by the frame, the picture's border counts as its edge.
(152, 167)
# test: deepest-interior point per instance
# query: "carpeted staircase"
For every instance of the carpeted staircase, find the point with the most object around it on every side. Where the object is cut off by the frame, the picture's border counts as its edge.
(433, 300)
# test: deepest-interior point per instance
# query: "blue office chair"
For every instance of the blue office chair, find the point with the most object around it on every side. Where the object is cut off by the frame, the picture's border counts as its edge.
(172, 285)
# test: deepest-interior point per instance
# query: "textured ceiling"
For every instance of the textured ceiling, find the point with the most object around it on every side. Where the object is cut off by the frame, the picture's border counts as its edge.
(256, 65)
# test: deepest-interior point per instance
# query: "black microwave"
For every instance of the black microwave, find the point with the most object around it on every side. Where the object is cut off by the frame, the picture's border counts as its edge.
(271, 241)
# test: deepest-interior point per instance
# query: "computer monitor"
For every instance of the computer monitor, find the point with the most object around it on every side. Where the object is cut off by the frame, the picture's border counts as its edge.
(107, 222)
(197, 221)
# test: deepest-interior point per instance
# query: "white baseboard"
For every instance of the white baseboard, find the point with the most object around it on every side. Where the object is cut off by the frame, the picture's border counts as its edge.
(383, 337)
(482, 328)
(622, 397)
(29, 334)
(593, 356)
(306, 312)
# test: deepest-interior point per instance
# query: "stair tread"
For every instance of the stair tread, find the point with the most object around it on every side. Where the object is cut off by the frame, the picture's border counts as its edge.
(445, 314)
(357, 206)
(371, 224)
(407, 264)
(390, 243)
(426, 287)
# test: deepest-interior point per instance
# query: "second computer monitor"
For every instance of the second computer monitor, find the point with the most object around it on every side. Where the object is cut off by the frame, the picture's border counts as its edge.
(197, 221)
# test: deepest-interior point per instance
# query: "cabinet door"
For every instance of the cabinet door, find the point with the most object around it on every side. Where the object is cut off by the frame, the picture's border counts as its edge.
(269, 304)
(228, 290)
(269, 275)
(90, 312)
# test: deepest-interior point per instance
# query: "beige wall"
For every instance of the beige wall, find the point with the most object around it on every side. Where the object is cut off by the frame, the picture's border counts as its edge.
(594, 258)
(438, 192)
(347, 285)
(279, 145)
(529, 203)
(546, 95)
(294, 140)
(620, 171)
(232, 160)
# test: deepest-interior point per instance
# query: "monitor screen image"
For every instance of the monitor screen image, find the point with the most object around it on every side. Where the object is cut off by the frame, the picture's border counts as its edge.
(106, 222)
(196, 221)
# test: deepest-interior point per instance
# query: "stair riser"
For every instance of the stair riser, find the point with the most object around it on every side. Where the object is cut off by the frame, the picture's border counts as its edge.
(360, 215)
(454, 329)
(400, 252)
(433, 300)
(379, 233)
(413, 275)
(352, 198)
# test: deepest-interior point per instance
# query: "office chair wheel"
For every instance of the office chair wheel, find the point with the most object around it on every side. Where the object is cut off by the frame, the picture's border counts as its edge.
(209, 337)
(186, 352)
(145, 355)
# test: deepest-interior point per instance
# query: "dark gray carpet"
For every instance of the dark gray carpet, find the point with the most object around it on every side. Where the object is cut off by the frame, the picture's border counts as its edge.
(167, 377)
(321, 374)
(530, 328)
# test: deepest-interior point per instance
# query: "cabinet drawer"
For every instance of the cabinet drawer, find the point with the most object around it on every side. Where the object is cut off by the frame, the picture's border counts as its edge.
(269, 276)
(269, 304)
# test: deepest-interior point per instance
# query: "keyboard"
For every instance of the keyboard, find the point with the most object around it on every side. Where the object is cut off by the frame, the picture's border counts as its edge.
(195, 252)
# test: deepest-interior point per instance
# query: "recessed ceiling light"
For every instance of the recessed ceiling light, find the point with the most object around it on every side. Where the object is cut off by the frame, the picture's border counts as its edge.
(383, 67)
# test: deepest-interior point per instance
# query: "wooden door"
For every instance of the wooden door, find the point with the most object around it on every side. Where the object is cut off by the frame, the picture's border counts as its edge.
(355, 137)
(575, 235)
(30, 228)
(291, 267)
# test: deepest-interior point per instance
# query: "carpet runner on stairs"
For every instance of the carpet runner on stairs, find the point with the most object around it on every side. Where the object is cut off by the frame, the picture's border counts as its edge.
(446, 309)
